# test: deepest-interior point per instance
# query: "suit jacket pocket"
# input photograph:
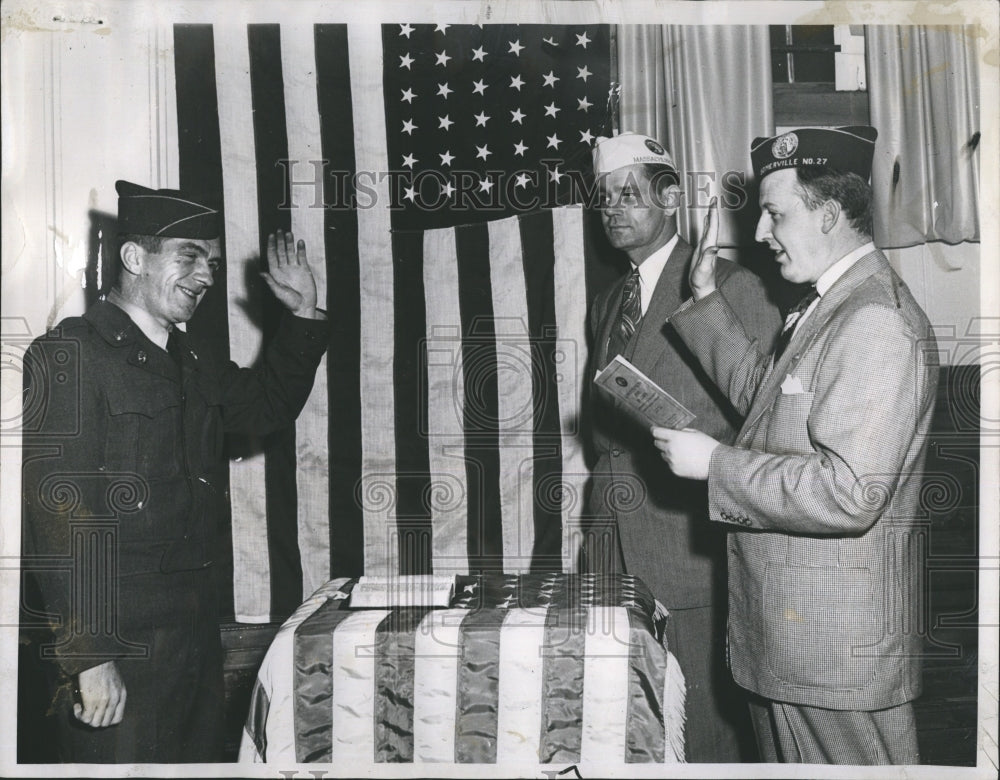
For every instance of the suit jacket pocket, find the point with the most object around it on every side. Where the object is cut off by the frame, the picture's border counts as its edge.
(818, 623)
(787, 427)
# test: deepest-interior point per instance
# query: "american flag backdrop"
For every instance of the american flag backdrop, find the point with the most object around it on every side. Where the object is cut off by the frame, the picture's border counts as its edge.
(434, 167)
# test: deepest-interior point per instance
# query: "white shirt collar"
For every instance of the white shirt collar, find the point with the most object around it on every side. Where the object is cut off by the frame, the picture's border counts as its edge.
(838, 269)
(650, 270)
(153, 330)
(832, 274)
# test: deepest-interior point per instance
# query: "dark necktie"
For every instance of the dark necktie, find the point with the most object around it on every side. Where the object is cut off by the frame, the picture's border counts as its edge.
(174, 347)
(788, 329)
(629, 316)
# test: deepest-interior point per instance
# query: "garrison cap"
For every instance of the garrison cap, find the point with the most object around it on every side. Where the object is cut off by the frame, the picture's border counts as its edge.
(844, 149)
(165, 213)
(626, 149)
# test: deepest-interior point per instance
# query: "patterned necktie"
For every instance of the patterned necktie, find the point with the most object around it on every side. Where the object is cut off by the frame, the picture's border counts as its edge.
(629, 316)
(788, 329)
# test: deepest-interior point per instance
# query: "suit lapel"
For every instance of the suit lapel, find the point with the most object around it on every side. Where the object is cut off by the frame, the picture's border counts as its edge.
(608, 316)
(826, 308)
(647, 345)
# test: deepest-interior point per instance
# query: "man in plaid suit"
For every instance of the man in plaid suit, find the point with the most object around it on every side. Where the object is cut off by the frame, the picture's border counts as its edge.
(821, 487)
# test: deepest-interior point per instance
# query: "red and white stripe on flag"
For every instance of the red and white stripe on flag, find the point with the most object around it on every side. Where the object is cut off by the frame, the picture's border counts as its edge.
(386, 461)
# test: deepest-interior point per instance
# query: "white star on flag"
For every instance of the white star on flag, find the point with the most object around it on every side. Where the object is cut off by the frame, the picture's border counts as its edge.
(441, 27)
(405, 142)
(584, 104)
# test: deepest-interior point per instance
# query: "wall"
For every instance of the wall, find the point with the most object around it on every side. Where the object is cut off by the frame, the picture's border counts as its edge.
(946, 280)
(81, 111)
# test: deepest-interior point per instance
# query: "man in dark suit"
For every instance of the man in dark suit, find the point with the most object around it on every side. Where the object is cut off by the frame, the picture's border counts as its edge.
(124, 483)
(821, 488)
(652, 524)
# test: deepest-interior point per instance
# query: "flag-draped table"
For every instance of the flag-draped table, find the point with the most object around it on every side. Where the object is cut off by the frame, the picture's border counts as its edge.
(518, 669)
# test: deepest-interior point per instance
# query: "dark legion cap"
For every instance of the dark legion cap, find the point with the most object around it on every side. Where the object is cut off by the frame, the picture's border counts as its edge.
(845, 149)
(166, 213)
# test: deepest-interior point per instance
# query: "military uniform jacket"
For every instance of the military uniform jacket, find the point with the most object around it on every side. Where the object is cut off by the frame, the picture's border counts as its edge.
(123, 446)
(822, 488)
(660, 519)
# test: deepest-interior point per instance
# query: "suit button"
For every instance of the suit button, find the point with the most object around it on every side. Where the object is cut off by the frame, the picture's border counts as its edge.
(615, 452)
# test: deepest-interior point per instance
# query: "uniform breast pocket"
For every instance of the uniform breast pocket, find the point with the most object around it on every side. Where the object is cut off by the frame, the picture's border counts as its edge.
(143, 430)
(787, 428)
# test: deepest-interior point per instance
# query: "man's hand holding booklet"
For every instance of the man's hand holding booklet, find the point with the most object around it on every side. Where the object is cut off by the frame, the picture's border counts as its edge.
(641, 395)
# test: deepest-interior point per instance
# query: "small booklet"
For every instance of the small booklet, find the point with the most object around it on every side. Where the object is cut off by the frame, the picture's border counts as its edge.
(641, 395)
(405, 590)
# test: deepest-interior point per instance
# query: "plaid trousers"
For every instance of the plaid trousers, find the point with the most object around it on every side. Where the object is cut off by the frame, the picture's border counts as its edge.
(796, 734)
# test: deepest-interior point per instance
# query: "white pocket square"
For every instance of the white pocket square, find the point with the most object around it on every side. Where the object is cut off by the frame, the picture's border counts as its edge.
(792, 385)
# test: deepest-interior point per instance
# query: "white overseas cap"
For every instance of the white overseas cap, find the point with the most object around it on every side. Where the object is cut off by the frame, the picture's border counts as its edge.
(628, 148)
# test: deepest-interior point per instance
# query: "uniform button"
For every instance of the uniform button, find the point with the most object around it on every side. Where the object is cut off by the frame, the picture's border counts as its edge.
(615, 452)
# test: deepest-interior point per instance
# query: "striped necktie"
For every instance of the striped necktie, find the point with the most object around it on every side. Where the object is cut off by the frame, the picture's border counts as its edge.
(629, 316)
(788, 329)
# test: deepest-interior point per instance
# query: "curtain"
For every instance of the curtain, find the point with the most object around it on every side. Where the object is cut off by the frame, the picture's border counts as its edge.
(705, 93)
(923, 86)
